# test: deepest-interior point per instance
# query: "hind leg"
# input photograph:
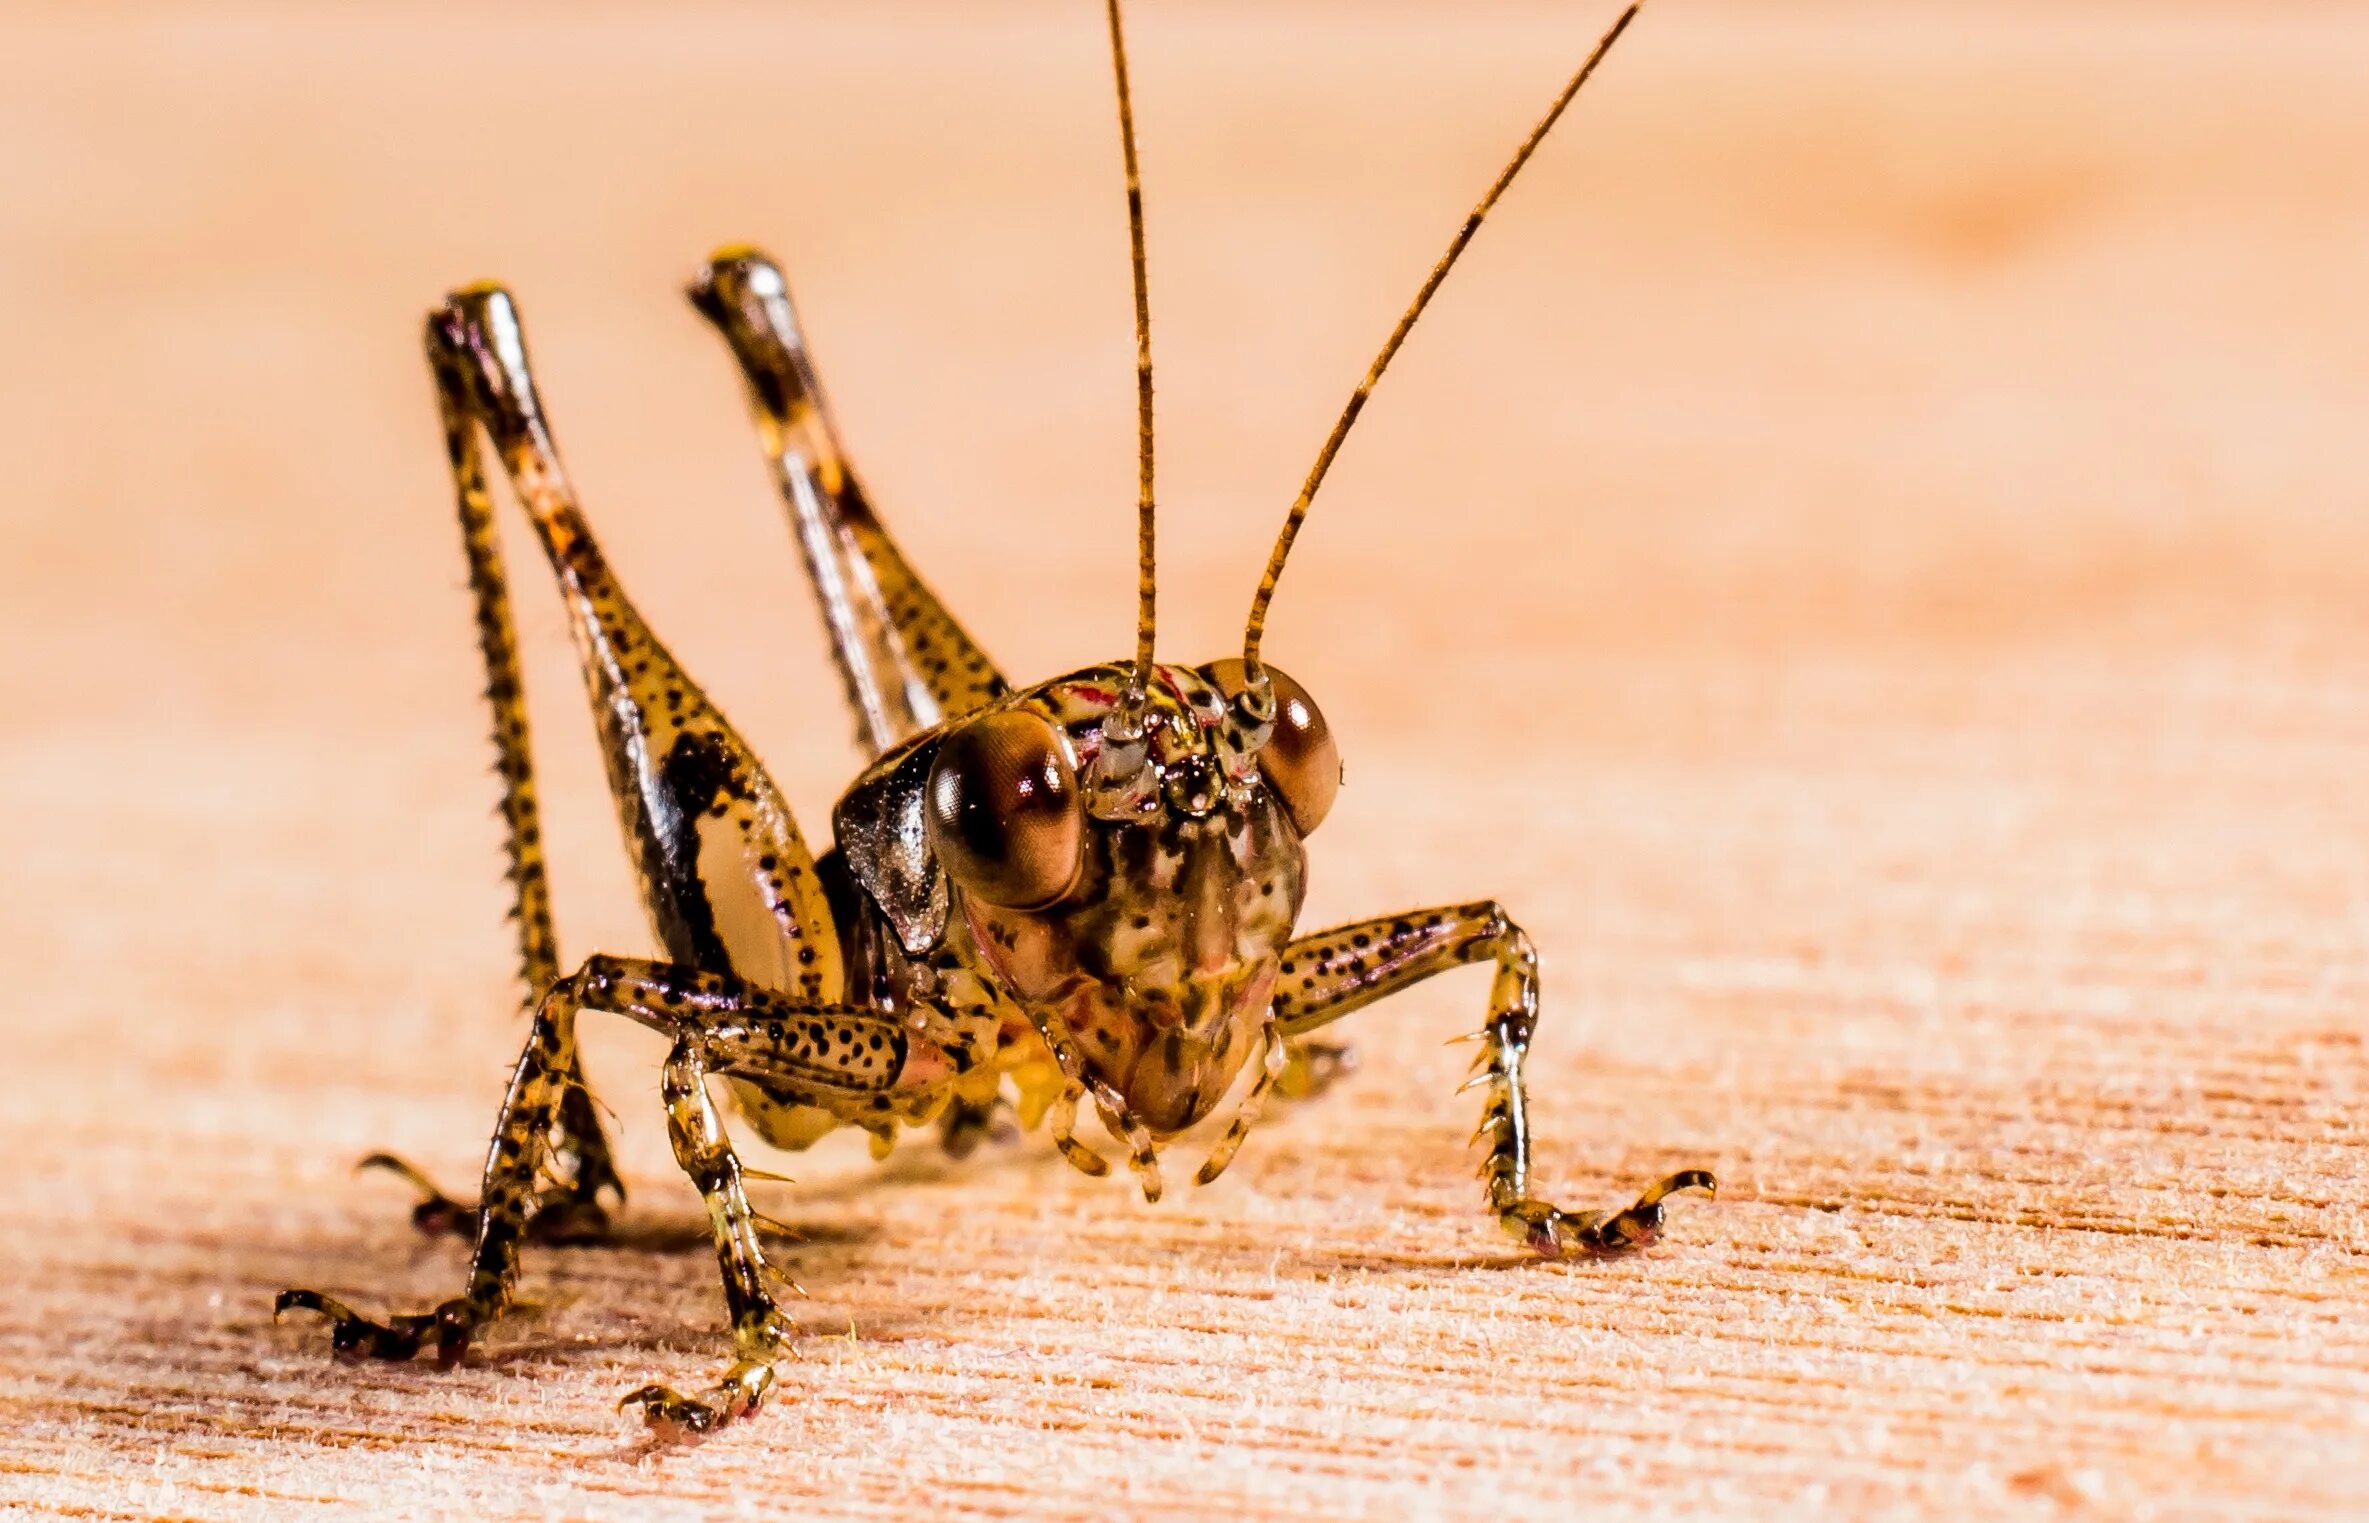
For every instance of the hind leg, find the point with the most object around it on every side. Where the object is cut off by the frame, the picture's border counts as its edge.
(732, 889)
(570, 1208)
(580, 1150)
(724, 871)
(905, 660)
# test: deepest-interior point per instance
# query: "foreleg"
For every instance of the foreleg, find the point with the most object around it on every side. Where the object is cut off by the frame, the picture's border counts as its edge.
(1331, 973)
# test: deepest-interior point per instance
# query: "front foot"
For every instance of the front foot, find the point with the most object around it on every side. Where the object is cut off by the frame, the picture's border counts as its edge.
(1555, 1233)
(673, 1416)
(354, 1337)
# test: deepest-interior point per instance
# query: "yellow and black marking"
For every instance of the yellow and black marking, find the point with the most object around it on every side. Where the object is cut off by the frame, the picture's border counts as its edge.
(730, 886)
(906, 662)
(1083, 891)
(572, 1207)
(1329, 974)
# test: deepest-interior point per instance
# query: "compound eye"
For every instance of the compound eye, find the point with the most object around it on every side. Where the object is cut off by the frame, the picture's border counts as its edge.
(1004, 815)
(1300, 761)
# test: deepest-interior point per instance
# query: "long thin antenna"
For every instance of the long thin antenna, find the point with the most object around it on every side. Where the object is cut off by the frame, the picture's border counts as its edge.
(1146, 581)
(1439, 272)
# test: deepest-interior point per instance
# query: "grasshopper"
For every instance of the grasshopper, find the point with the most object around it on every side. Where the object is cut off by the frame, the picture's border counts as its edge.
(1080, 891)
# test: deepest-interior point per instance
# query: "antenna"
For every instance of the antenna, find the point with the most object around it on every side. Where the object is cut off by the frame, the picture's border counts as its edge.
(1146, 582)
(1439, 272)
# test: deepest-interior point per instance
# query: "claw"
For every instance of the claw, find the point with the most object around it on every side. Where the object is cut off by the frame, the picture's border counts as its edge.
(564, 1215)
(309, 1300)
(1641, 1224)
(1555, 1233)
(674, 1416)
(352, 1336)
(394, 1165)
(437, 1213)
(1685, 1179)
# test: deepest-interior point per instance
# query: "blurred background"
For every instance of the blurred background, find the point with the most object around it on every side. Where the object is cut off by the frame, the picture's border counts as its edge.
(1869, 557)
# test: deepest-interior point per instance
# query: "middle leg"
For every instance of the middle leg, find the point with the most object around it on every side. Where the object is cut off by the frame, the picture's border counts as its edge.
(832, 1056)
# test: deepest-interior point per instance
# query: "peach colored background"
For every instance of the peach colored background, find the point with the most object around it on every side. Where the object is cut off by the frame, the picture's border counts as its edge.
(1869, 559)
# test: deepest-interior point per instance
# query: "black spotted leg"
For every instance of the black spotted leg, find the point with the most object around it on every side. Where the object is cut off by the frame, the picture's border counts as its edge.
(729, 883)
(724, 872)
(906, 661)
(570, 1208)
(835, 1057)
(1327, 975)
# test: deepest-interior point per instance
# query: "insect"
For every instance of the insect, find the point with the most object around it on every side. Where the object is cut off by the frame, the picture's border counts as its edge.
(1077, 893)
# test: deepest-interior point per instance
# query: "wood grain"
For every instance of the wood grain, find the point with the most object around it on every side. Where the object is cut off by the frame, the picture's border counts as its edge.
(1869, 560)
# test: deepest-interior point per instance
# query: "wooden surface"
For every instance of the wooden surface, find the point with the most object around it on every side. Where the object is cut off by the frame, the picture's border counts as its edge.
(1868, 559)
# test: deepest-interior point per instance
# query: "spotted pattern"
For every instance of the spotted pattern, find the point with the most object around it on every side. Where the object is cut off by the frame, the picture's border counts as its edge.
(673, 760)
(1142, 992)
(580, 1147)
(1330, 974)
(906, 663)
(729, 883)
